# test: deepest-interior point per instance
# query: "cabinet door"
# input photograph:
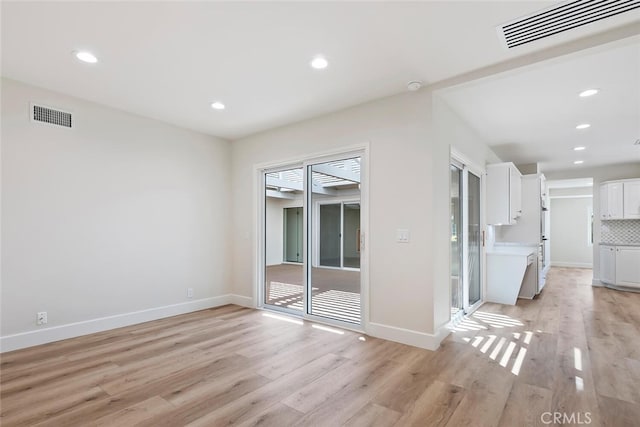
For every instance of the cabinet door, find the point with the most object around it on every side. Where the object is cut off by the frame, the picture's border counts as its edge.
(515, 193)
(498, 195)
(631, 199)
(604, 201)
(615, 200)
(628, 266)
(608, 264)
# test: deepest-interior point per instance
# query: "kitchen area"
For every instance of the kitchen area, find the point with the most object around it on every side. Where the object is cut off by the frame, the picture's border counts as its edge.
(619, 248)
(518, 238)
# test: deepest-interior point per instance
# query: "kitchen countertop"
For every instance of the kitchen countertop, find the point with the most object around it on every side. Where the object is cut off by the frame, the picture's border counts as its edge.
(516, 244)
(619, 244)
(512, 250)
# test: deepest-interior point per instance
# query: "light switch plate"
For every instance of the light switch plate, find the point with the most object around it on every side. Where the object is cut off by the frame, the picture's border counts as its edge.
(402, 235)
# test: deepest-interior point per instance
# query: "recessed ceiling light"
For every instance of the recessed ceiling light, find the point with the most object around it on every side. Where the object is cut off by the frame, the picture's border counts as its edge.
(85, 56)
(579, 148)
(583, 126)
(319, 62)
(218, 105)
(578, 162)
(588, 92)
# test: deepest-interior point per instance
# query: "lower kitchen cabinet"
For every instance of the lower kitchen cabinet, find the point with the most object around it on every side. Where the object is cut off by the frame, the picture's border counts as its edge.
(620, 265)
(608, 264)
(628, 266)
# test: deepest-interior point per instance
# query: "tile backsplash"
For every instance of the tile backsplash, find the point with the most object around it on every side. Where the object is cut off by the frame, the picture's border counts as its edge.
(625, 231)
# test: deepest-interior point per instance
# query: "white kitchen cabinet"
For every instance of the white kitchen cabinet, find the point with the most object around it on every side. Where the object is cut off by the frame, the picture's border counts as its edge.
(631, 199)
(608, 264)
(627, 266)
(515, 192)
(611, 200)
(504, 194)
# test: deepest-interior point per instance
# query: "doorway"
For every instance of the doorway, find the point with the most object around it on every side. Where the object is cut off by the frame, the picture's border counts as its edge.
(293, 221)
(312, 219)
(466, 238)
(339, 240)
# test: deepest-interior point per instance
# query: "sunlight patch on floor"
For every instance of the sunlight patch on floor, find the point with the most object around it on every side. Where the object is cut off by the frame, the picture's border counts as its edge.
(334, 304)
(510, 350)
(496, 320)
(283, 318)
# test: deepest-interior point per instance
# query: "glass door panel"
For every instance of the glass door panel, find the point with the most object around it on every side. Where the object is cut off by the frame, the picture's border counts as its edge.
(333, 191)
(466, 239)
(330, 236)
(474, 233)
(293, 219)
(456, 241)
(351, 249)
(283, 221)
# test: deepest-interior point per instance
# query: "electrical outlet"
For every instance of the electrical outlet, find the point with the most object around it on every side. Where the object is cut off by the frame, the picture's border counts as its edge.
(189, 292)
(41, 318)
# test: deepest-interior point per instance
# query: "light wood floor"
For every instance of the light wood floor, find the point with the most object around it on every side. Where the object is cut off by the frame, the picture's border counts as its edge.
(574, 350)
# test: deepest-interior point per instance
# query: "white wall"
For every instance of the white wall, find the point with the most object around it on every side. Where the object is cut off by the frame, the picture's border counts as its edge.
(274, 227)
(451, 132)
(570, 224)
(601, 174)
(408, 182)
(117, 215)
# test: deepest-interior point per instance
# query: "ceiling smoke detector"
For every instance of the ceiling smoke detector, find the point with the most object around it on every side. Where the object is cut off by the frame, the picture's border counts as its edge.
(637, 142)
(414, 85)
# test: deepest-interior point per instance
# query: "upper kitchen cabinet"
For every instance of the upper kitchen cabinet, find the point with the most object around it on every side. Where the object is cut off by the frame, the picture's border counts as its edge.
(611, 195)
(620, 199)
(631, 199)
(504, 194)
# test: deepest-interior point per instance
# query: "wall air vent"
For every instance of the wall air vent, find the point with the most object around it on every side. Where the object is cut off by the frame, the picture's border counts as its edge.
(557, 19)
(42, 114)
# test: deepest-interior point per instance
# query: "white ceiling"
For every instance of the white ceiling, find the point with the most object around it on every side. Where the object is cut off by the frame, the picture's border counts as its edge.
(530, 115)
(169, 60)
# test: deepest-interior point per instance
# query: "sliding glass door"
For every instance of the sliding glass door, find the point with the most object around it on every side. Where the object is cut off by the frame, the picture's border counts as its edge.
(284, 275)
(465, 238)
(455, 176)
(474, 241)
(334, 219)
(312, 240)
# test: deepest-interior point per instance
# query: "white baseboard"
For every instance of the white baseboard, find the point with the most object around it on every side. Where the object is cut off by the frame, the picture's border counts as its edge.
(407, 336)
(243, 301)
(571, 264)
(597, 282)
(72, 330)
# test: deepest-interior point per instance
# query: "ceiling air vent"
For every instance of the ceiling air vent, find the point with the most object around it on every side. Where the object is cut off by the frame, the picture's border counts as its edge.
(51, 116)
(561, 18)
